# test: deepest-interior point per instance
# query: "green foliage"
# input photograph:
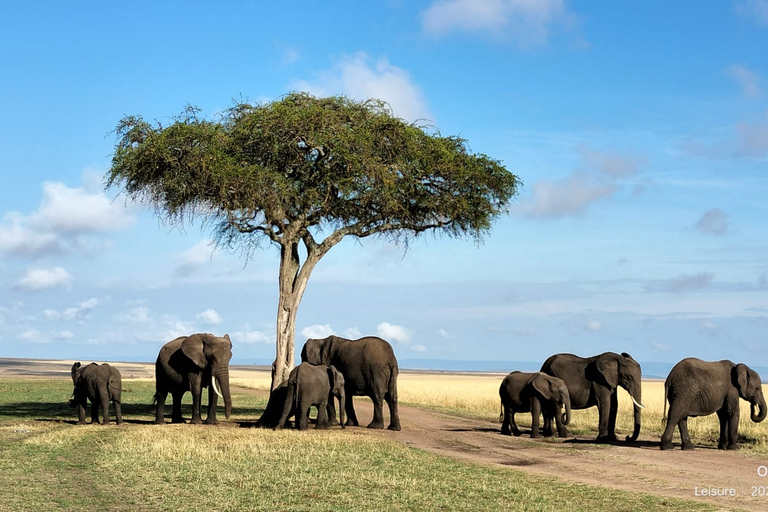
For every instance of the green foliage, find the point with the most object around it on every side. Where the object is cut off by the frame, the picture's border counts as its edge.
(265, 170)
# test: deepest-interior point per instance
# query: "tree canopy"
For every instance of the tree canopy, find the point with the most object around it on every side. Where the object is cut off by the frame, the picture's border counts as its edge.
(289, 171)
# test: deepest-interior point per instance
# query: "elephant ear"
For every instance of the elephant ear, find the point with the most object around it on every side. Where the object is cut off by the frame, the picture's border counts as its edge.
(608, 367)
(740, 376)
(541, 384)
(192, 347)
(74, 371)
(326, 349)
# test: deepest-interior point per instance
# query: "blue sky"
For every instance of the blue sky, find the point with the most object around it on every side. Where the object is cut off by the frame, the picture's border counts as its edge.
(640, 133)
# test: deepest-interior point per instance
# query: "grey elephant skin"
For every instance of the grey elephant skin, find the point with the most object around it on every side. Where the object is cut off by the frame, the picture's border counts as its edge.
(593, 381)
(534, 392)
(191, 363)
(369, 368)
(310, 385)
(699, 388)
(99, 383)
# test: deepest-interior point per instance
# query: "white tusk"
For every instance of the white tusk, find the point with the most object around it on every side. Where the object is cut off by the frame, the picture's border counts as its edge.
(213, 383)
(637, 403)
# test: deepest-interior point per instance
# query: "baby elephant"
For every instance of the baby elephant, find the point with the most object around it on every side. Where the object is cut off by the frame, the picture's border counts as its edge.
(699, 388)
(535, 393)
(310, 385)
(99, 384)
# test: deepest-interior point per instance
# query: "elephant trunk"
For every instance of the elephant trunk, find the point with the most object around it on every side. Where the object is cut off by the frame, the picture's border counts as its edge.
(222, 378)
(567, 413)
(757, 418)
(342, 408)
(637, 402)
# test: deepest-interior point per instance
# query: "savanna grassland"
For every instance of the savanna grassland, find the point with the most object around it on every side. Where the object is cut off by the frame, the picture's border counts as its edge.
(48, 463)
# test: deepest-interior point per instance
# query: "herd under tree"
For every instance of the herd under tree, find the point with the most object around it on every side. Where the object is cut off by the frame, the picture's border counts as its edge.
(302, 173)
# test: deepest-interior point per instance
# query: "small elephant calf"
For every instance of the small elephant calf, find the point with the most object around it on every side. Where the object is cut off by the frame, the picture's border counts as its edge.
(535, 393)
(310, 385)
(99, 384)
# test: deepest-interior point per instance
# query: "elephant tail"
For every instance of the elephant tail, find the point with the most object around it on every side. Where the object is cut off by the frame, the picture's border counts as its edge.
(664, 411)
(392, 385)
(501, 414)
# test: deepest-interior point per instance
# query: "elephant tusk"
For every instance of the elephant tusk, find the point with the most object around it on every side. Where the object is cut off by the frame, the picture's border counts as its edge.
(638, 404)
(213, 383)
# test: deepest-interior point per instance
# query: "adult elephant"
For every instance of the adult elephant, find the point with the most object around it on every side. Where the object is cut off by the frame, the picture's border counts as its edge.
(699, 388)
(593, 381)
(98, 383)
(191, 363)
(369, 368)
(310, 385)
(534, 392)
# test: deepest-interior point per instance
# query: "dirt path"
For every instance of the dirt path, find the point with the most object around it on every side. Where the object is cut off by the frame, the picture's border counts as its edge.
(639, 466)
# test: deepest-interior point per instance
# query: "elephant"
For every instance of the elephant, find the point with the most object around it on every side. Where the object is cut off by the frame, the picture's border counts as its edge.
(190, 363)
(310, 385)
(98, 383)
(699, 388)
(534, 392)
(369, 368)
(593, 381)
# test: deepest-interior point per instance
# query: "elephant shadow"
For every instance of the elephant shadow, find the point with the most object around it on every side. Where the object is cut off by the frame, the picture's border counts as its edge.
(616, 442)
(476, 429)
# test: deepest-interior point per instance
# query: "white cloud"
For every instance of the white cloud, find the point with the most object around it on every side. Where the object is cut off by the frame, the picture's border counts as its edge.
(209, 316)
(44, 278)
(418, 348)
(527, 23)
(747, 79)
(594, 325)
(445, 334)
(81, 312)
(359, 78)
(660, 346)
(74, 210)
(317, 331)
(755, 10)
(395, 333)
(249, 337)
(714, 222)
(352, 333)
(195, 257)
(64, 335)
(600, 175)
(135, 315)
(63, 222)
(33, 336)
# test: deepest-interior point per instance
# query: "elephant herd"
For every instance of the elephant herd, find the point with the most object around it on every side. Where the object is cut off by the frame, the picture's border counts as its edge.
(336, 369)
(332, 368)
(693, 388)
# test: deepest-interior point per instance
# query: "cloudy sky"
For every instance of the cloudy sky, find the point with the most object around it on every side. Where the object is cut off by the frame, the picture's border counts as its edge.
(640, 132)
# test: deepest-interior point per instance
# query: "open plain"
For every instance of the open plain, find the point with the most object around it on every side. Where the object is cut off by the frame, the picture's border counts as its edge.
(725, 480)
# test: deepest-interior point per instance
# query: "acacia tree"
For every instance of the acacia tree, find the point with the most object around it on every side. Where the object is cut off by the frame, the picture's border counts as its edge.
(302, 173)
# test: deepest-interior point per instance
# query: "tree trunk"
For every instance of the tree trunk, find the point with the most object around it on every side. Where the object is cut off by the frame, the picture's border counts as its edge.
(292, 283)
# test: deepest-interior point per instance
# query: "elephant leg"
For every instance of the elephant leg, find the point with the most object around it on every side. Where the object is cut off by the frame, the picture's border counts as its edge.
(562, 431)
(733, 430)
(684, 437)
(118, 412)
(95, 410)
(302, 416)
(605, 407)
(378, 412)
(195, 386)
(81, 412)
(612, 413)
(104, 395)
(351, 416)
(213, 399)
(330, 411)
(394, 416)
(515, 430)
(322, 415)
(160, 397)
(535, 413)
(547, 424)
(506, 423)
(669, 430)
(176, 409)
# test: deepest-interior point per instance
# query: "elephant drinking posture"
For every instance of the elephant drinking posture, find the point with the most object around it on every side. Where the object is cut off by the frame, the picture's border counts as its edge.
(191, 363)
(310, 385)
(699, 388)
(98, 383)
(593, 381)
(534, 393)
(369, 368)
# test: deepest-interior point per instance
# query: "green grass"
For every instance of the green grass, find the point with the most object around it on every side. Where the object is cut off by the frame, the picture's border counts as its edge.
(47, 463)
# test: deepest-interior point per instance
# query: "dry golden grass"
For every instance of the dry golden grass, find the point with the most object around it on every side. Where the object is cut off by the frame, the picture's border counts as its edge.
(478, 396)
